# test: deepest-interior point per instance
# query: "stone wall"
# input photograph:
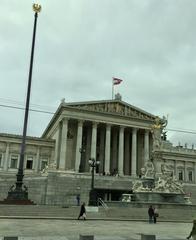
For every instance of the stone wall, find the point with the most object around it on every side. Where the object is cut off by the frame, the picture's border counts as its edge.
(61, 189)
(36, 187)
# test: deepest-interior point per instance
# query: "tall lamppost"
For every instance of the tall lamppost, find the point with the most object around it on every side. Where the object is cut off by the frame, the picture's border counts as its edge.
(19, 193)
(93, 194)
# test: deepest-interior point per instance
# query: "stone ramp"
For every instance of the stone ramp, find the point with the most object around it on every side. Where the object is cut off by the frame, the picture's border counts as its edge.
(122, 213)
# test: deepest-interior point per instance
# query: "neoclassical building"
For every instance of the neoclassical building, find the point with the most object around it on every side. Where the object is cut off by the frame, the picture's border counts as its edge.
(113, 132)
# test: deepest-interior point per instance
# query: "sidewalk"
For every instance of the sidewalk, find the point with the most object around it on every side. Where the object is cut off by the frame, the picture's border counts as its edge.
(34, 229)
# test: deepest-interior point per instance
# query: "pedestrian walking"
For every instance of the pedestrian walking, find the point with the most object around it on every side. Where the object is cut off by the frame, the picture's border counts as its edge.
(78, 199)
(82, 212)
(151, 214)
(193, 231)
(156, 214)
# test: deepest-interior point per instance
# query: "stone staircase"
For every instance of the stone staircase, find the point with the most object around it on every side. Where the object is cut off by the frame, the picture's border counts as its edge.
(113, 213)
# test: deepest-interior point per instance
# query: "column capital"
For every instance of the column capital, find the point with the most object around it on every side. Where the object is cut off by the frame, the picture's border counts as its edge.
(80, 122)
(65, 120)
(147, 131)
(134, 130)
(122, 127)
(94, 124)
(108, 126)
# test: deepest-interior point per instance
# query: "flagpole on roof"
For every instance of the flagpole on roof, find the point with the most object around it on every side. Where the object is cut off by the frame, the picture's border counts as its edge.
(115, 81)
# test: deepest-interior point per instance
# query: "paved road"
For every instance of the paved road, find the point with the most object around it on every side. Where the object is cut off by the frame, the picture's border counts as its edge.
(103, 230)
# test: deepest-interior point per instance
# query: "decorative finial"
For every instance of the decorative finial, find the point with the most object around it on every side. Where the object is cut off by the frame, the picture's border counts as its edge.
(37, 8)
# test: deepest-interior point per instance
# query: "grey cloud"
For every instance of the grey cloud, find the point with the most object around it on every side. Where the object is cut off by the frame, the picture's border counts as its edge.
(82, 44)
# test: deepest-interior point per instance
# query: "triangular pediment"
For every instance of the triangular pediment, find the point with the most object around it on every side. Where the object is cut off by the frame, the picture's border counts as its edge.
(116, 107)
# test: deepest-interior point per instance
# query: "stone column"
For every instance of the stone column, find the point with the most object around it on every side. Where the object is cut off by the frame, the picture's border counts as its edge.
(78, 146)
(63, 149)
(186, 177)
(37, 160)
(134, 153)
(101, 155)
(114, 153)
(127, 154)
(121, 151)
(6, 157)
(195, 172)
(88, 149)
(94, 140)
(57, 148)
(175, 168)
(146, 146)
(107, 148)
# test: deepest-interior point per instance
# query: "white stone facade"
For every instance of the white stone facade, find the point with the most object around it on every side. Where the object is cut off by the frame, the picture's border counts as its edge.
(39, 152)
(113, 132)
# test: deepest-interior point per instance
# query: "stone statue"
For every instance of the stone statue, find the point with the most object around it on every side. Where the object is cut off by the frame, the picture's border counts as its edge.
(45, 170)
(160, 185)
(148, 170)
(156, 129)
(166, 170)
(137, 186)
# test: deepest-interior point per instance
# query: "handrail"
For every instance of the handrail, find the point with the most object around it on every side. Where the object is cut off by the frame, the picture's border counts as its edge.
(103, 204)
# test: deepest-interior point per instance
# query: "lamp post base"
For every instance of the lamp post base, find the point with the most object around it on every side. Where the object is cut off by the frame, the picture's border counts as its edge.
(93, 198)
(17, 196)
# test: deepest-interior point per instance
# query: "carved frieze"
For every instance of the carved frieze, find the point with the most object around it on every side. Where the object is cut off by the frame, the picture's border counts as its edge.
(115, 108)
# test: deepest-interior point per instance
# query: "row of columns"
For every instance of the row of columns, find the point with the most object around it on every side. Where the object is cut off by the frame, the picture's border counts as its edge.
(63, 148)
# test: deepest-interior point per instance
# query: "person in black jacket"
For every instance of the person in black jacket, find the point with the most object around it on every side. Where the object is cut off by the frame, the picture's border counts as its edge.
(151, 214)
(82, 212)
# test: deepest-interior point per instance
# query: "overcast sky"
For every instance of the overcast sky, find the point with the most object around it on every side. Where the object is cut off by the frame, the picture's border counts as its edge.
(82, 44)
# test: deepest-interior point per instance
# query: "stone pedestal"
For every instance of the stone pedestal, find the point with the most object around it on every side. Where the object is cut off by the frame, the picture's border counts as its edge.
(148, 237)
(155, 197)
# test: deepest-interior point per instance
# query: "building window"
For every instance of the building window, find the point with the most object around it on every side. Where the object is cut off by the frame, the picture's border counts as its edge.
(29, 164)
(180, 175)
(14, 161)
(190, 176)
(44, 162)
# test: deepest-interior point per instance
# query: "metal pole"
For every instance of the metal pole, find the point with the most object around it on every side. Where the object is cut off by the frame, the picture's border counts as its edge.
(92, 180)
(23, 145)
(19, 193)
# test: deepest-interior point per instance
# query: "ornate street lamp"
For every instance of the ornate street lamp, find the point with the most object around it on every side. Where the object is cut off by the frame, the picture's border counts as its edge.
(93, 194)
(18, 194)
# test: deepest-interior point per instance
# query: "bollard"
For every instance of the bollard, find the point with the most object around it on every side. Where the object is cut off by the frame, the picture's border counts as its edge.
(148, 237)
(10, 238)
(86, 237)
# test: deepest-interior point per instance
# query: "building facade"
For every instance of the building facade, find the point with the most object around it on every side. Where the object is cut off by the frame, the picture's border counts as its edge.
(113, 132)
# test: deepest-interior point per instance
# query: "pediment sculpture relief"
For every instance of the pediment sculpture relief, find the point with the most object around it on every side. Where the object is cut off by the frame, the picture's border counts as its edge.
(115, 108)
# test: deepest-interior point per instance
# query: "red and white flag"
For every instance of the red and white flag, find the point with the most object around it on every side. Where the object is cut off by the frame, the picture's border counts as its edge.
(116, 81)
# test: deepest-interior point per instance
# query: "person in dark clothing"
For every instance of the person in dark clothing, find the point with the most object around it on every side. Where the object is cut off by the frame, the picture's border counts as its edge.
(78, 199)
(82, 212)
(151, 214)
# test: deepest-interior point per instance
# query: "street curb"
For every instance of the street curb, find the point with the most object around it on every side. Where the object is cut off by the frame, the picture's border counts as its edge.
(91, 219)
